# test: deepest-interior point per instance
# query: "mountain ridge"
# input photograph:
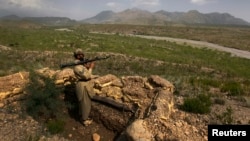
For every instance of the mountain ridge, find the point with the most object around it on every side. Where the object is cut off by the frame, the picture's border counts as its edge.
(161, 17)
(49, 21)
(137, 16)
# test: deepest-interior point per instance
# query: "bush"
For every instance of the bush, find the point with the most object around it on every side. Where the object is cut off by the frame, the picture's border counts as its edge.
(199, 104)
(233, 88)
(55, 126)
(43, 97)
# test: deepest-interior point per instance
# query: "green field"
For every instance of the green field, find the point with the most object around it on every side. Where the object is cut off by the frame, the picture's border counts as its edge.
(191, 70)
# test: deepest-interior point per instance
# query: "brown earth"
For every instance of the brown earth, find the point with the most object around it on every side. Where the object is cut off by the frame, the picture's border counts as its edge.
(164, 120)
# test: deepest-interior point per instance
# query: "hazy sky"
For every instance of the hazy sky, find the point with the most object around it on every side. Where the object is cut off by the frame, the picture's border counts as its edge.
(81, 9)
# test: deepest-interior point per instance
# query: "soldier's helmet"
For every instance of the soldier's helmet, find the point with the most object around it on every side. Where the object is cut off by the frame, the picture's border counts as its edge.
(78, 51)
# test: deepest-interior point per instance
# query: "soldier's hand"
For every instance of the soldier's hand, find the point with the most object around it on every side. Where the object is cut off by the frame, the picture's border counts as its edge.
(92, 65)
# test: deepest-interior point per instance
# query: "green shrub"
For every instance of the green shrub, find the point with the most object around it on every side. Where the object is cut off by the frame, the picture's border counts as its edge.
(55, 126)
(43, 97)
(199, 104)
(204, 82)
(210, 82)
(233, 88)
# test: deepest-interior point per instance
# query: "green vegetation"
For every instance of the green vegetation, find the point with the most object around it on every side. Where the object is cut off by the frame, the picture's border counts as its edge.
(191, 70)
(235, 37)
(199, 104)
(43, 98)
(233, 88)
(43, 102)
(55, 126)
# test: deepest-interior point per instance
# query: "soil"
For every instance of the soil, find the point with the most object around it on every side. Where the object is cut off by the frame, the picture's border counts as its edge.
(74, 130)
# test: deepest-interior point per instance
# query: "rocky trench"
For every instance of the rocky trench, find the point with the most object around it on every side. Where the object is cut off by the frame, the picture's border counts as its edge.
(131, 105)
(134, 107)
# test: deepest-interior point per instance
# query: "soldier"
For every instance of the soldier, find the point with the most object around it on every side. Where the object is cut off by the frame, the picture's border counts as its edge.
(84, 86)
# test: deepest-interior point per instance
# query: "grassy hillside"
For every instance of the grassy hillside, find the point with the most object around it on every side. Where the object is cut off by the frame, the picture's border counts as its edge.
(235, 37)
(192, 70)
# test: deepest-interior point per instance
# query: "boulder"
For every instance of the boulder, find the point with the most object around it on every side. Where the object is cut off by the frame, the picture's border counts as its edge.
(161, 82)
(138, 131)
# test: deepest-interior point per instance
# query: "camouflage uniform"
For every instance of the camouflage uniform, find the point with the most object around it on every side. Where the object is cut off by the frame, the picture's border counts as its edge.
(84, 89)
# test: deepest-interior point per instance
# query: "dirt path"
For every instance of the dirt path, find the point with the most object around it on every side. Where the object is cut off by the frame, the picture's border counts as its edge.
(234, 52)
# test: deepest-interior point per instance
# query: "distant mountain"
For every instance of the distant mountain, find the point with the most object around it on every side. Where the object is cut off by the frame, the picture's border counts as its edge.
(137, 17)
(143, 17)
(53, 21)
(5, 12)
(10, 17)
(104, 16)
(48, 21)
